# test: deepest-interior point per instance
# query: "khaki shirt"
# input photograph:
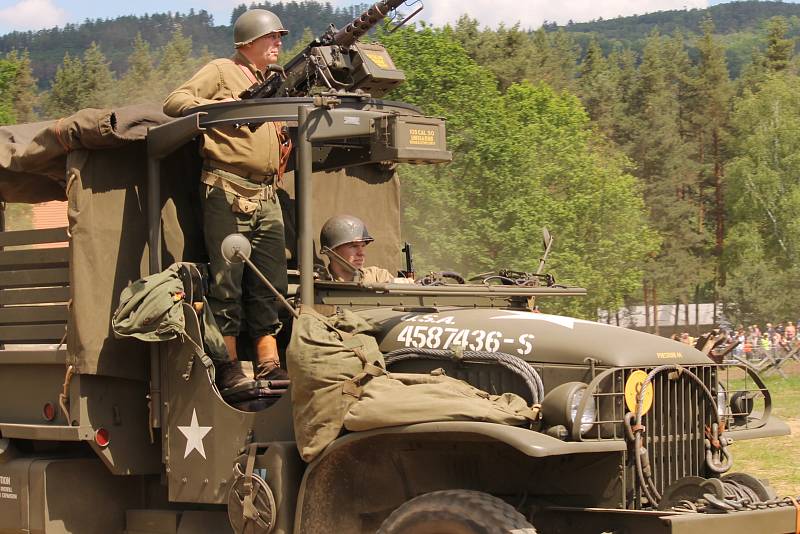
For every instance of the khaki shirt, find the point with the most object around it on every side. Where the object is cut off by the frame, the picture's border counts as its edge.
(376, 275)
(252, 152)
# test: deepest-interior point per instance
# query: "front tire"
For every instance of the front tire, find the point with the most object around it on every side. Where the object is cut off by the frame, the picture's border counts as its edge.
(456, 512)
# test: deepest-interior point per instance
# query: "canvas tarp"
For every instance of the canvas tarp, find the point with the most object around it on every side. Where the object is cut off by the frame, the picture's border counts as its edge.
(339, 381)
(97, 159)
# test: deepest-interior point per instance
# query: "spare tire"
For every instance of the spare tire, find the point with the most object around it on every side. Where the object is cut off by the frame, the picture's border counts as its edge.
(456, 512)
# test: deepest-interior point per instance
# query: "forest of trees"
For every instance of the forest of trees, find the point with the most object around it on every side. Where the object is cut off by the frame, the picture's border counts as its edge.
(664, 179)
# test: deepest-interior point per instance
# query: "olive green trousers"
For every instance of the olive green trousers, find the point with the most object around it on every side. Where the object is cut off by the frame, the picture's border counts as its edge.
(236, 296)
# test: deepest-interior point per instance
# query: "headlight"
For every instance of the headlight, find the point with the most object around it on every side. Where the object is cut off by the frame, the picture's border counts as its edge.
(560, 407)
(742, 403)
(587, 418)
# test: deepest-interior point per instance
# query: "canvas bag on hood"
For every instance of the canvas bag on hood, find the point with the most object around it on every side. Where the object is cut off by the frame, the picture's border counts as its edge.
(408, 398)
(329, 360)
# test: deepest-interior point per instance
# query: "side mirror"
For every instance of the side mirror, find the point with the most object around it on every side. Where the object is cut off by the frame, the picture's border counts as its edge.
(547, 239)
(236, 248)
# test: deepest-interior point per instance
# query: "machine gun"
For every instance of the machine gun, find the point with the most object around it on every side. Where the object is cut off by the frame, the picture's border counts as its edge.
(337, 61)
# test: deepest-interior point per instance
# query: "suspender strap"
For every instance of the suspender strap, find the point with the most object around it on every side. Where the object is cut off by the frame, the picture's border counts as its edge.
(248, 73)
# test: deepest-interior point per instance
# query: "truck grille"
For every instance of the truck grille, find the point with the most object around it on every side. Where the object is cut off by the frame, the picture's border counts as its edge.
(674, 425)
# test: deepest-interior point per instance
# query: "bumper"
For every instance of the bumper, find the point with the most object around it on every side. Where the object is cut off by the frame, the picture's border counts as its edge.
(770, 521)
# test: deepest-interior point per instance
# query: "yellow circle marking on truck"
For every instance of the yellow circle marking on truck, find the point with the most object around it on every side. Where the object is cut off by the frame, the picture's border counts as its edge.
(632, 387)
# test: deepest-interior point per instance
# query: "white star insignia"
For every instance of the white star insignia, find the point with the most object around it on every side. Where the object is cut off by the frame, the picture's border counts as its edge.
(194, 436)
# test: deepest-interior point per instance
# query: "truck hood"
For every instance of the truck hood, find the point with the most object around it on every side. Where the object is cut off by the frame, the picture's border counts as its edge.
(535, 337)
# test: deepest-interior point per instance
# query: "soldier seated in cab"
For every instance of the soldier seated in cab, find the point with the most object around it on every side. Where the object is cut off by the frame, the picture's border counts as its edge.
(344, 239)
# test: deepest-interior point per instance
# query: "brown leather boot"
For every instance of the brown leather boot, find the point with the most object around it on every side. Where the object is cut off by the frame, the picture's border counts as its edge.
(230, 375)
(269, 363)
(271, 370)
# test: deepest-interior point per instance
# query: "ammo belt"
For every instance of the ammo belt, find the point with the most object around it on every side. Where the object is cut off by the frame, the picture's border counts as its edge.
(216, 178)
(222, 168)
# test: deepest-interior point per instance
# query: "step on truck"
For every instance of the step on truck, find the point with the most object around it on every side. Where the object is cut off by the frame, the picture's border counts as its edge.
(98, 434)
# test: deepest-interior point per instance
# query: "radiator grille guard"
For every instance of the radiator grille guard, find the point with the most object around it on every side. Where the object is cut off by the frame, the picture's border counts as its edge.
(680, 414)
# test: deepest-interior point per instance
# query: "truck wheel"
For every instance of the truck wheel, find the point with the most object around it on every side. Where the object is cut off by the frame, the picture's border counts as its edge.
(456, 512)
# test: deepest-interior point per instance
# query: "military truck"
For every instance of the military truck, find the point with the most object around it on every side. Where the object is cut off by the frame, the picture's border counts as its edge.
(101, 434)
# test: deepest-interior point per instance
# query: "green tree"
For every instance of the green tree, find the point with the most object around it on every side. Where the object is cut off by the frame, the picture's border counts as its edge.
(64, 97)
(522, 160)
(506, 52)
(176, 63)
(97, 80)
(555, 55)
(763, 248)
(780, 49)
(140, 83)
(669, 175)
(8, 73)
(299, 46)
(710, 108)
(24, 93)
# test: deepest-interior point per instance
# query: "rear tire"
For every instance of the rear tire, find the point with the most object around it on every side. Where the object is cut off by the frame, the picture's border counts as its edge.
(456, 512)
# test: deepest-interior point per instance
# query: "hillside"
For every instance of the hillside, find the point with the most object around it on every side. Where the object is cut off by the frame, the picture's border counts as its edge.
(734, 17)
(741, 26)
(115, 36)
(740, 23)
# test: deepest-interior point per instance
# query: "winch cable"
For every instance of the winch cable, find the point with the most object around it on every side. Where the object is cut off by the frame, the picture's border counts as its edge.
(514, 364)
(716, 443)
(737, 498)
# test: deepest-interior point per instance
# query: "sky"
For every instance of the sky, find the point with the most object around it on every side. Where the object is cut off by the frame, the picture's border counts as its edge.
(34, 15)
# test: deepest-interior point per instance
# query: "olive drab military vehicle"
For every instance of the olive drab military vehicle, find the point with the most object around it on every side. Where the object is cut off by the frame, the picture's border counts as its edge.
(104, 434)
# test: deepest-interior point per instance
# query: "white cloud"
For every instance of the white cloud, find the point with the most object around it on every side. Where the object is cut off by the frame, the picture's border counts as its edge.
(532, 13)
(32, 15)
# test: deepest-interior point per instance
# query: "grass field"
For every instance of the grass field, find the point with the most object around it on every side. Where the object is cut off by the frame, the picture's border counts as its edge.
(774, 459)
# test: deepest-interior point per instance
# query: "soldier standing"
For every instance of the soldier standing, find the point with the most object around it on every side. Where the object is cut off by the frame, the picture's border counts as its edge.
(240, 168)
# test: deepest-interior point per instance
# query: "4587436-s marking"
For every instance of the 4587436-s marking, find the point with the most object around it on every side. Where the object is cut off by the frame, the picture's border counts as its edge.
(429, 336)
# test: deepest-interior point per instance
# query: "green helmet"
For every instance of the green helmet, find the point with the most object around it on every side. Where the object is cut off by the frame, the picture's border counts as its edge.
(256, 23)
(341, 229)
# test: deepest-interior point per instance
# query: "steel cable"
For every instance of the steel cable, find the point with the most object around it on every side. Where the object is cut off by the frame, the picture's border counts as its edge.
(514, 364)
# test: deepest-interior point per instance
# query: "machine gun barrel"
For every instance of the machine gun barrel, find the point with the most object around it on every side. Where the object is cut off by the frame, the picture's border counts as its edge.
(365, 22)
(293, 81)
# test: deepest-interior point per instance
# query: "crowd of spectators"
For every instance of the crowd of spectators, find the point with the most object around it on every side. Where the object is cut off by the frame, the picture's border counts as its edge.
(775, 340)
(754, 343)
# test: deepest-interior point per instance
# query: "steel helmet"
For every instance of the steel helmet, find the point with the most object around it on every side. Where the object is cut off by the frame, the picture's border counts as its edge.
(341, 229)
(256, 23)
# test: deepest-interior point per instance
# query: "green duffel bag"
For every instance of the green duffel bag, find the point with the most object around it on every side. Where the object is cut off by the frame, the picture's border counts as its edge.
(150, 308)
(404, 399)
(329, 360)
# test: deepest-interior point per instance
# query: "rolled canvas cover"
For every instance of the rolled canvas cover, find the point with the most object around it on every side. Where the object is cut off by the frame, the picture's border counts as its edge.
(97, 159)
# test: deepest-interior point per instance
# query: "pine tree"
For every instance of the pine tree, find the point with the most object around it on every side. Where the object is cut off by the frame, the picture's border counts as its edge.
(663, 163)
(140, 63)
(780, 49)
(554, 59)
(710, 112)
(176, 64)
(98, 80)
(24, 90)
(138, 84)
(64, 97)
(8, 73)
(598, 87)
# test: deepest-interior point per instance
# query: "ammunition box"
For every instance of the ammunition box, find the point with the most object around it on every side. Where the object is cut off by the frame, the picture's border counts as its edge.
(409, 139)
